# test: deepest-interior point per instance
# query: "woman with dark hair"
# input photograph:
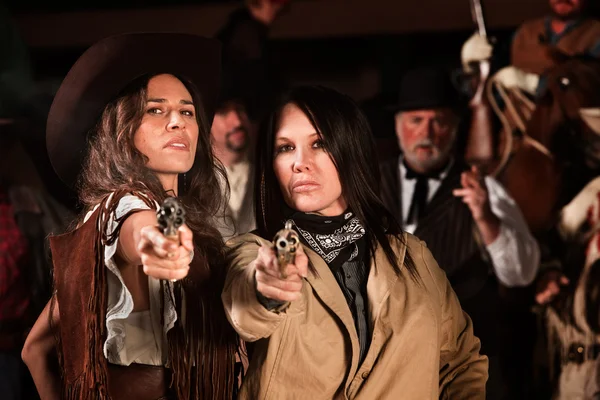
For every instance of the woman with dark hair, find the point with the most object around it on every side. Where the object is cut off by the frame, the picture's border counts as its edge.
(137, 314)
(363, 312)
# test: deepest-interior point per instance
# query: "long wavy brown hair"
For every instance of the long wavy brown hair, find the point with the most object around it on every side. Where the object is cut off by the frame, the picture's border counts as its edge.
(113, 163)
(202, 348)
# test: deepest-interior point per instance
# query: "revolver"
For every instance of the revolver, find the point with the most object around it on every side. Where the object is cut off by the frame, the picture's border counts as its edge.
(286, 242)
(171, 216)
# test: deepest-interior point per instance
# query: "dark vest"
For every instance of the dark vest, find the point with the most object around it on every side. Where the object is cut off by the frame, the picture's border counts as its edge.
(451, 235)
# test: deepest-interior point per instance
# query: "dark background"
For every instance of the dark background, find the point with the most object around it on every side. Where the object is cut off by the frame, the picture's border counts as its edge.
(367, 67)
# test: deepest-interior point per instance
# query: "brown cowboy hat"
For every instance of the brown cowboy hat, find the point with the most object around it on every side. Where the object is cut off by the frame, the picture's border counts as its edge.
(106, 68)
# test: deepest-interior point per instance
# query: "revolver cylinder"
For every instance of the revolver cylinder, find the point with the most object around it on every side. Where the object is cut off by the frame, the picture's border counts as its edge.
(170, 215)
(286, 242)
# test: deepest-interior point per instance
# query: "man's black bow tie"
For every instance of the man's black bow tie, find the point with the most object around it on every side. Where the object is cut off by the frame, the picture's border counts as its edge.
(412, 174)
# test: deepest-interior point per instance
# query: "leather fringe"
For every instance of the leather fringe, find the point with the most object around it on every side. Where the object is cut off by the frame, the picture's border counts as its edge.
(201, 346)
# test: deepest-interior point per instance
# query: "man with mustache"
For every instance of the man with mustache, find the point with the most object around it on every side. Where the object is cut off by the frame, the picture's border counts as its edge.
(230, 133)
(470, 224)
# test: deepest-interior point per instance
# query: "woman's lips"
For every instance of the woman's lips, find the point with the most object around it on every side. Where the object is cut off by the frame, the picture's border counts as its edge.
(177, 144)
(305, 186)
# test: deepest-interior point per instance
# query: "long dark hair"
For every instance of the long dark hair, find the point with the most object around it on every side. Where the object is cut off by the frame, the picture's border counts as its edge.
(113, 163)
(201, 348)
(345, 131)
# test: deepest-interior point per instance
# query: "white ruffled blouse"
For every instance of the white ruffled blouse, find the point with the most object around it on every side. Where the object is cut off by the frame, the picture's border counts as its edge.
(134, 337)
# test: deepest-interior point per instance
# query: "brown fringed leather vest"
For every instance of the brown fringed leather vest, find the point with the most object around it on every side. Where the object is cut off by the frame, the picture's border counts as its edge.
(201, 351)
(81, 293)
(450, 233)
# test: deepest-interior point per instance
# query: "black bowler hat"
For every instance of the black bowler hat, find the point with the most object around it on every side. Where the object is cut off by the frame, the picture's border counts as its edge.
(427, 88)
(106, 68)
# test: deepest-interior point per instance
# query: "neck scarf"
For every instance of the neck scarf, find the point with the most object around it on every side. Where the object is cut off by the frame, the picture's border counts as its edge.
(336, 239)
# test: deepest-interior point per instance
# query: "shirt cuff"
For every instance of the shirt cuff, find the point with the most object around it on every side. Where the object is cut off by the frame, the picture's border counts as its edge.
(270, 304)
(501, 243)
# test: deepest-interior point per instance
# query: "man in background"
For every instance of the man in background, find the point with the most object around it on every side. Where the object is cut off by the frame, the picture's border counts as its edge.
(569, 29)
(472, 226)
(231, 140)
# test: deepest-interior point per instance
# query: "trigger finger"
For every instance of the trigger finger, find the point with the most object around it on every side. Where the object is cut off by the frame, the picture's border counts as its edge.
(159, 251)
(266, 253)
(270, 259)
(268, 269)
(186, 237)
(292, 270)
(148, 246)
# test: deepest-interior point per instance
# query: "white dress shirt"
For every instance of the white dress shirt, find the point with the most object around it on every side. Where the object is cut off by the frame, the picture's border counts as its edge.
(515, 254)
(237, 175)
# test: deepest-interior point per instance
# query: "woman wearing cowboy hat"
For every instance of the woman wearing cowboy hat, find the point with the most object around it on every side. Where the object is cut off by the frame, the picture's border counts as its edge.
(137, 315)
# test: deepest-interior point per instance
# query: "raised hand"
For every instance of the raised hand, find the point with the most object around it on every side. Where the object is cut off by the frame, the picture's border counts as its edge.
(474, 194)
(549, 286)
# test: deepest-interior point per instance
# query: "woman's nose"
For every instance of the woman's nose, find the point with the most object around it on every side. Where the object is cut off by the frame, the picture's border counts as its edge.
(302, 162)
(176, 121)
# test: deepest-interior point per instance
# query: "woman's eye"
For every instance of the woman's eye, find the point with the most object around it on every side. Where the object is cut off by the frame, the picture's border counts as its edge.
(319, 144)
(154, 110)
(284, 149)
(187, 113)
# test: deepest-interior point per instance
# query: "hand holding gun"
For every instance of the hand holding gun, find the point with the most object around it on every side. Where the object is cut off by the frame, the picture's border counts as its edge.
(281, 267)
(167, 250)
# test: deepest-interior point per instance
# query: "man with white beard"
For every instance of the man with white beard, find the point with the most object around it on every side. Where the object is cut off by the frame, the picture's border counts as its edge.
(470, 223)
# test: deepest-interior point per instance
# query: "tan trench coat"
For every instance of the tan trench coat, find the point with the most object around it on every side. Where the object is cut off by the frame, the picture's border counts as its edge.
(422, 344)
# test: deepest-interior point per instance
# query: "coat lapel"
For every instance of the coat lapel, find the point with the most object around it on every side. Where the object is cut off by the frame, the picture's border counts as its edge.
(381, 281)
(328, 290)
(382, 278)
